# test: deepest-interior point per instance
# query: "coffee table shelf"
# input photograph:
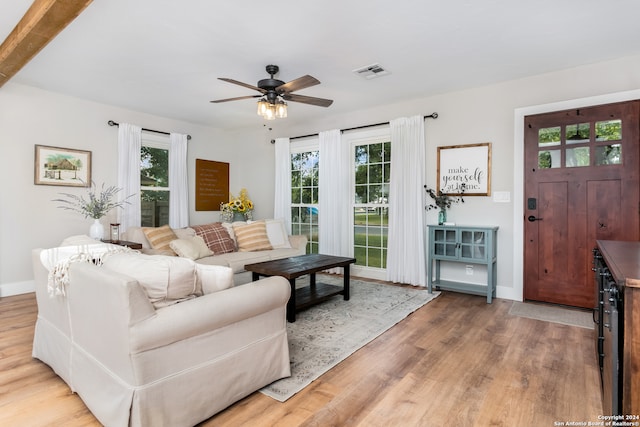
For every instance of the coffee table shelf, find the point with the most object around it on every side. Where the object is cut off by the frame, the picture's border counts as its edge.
(308, 296)
(294, 267)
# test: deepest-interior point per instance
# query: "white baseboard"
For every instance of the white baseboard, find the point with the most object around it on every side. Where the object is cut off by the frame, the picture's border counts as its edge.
(508, 293)
(17, 288)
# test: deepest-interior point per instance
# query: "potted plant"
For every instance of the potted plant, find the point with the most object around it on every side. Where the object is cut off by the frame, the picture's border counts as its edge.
(95, 205)
(443, 202)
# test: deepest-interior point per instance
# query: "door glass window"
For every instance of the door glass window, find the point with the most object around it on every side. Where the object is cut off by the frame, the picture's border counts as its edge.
(576, 134)
(609, 130)
(609, 154)
(577, 144)
(549, 159)
(548, 137)
(577, 157)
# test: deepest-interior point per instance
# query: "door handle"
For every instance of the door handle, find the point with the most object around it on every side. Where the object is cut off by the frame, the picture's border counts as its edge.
(532, 218)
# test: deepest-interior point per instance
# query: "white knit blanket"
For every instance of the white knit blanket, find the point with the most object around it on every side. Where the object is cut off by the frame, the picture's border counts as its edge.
(57, 262)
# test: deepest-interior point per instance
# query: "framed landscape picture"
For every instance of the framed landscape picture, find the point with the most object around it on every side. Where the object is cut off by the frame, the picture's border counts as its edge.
(465, 164)
(62, 166)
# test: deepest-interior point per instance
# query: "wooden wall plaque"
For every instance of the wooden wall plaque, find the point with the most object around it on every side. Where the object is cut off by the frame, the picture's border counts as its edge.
(212, 184)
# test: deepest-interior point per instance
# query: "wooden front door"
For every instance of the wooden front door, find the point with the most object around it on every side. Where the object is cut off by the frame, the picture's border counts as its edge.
(581, 185)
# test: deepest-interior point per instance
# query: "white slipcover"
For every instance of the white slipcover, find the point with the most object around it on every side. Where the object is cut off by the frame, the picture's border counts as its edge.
(134, 365)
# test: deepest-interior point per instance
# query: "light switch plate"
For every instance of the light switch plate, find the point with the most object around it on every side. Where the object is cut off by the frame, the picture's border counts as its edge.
(501, 196)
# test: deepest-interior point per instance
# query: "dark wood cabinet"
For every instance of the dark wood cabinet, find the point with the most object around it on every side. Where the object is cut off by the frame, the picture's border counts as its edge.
(623, 261)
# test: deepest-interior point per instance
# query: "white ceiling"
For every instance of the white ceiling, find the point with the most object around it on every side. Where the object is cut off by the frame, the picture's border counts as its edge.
(164, 57)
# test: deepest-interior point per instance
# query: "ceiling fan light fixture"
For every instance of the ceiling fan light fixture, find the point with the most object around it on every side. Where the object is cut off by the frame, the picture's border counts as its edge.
(273, 93)
(281, 109)
(262, 107)
(270, 112)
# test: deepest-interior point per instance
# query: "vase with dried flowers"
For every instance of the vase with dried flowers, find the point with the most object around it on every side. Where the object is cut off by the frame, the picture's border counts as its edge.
(95, 205)
(443, 202)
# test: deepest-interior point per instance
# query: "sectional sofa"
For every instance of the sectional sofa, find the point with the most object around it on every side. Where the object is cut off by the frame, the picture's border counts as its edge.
(228, 244)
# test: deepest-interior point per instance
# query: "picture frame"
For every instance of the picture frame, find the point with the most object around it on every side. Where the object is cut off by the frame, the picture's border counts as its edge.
(465, 164)
(62, 166)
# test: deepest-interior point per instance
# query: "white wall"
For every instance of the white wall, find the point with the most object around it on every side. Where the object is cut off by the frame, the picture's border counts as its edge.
(28, 217)
(29, 116)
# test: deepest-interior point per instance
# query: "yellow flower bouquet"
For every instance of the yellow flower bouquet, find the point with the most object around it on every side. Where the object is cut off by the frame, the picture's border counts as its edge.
(241, 204)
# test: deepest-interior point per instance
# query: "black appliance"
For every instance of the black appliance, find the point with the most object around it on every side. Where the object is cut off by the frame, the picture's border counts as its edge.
(608, 315)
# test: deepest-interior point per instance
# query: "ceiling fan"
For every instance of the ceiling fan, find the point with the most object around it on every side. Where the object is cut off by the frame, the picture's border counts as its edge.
(274, 92)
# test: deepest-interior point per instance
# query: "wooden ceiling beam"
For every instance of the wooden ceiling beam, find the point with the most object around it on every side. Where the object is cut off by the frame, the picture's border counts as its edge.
(40, 24)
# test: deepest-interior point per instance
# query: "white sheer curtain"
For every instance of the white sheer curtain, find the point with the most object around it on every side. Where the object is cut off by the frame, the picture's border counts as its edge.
(129, 144)
(333, 202)
(405, 247)
(282, 196)
(178, 181)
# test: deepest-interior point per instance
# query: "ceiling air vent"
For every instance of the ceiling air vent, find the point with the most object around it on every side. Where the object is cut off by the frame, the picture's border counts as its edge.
(371, 71)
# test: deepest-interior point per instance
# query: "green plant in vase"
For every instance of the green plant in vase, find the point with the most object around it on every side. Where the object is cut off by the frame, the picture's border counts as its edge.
(443, 202)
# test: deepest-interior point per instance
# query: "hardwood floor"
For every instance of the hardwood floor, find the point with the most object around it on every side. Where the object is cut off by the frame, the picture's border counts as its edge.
(455, 362)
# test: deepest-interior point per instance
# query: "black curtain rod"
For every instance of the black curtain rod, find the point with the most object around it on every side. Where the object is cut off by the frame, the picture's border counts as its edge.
(430, 116)
(112, 123)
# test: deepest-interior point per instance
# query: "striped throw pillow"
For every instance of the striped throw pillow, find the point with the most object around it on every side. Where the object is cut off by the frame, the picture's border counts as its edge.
(160, 237)
(252, 237)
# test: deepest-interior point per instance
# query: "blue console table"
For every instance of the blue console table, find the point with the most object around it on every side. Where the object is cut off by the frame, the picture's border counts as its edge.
(465, 244)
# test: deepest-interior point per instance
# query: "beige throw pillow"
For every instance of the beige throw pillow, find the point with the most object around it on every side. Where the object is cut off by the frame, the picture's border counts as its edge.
(166, 279)
(278, 236)
(191, 247)
(252, 237)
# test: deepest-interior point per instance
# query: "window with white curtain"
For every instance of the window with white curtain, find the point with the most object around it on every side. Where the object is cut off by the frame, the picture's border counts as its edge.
(154, 180)
(371, 165)
(371, 158)
(304, 191)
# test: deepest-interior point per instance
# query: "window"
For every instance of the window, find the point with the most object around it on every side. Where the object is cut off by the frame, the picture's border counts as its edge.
(372, 166)
(581, 145)
(154, 181)
(304, 195)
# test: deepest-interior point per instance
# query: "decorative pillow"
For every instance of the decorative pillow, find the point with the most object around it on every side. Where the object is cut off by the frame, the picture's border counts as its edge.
(216, 238)
(278, 236)
(191, 247)
(160, 237)
(213, 278)
(252, 237)
(166, 279)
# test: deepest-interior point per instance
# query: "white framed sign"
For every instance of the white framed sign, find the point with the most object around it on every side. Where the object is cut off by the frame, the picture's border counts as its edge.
(465, 166)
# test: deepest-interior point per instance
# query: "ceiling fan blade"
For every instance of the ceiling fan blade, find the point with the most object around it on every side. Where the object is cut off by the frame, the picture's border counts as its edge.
(235, 82)
(236, 98)
(320, 102)
(297, 84)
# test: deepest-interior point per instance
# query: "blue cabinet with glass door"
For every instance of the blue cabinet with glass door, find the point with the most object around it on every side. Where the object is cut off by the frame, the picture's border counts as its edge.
(463, 244)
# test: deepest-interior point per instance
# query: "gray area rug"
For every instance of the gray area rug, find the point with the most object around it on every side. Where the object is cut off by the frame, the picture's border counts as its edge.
(326, 334)
(551, 313)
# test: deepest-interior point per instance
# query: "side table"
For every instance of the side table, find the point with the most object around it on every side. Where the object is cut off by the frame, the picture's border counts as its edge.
(131, 245)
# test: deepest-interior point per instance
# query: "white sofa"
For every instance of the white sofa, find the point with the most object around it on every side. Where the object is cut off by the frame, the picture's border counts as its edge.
(237, 259)
(141, 361)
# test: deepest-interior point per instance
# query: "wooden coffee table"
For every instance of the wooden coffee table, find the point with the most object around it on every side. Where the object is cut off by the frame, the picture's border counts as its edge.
(294, 267)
